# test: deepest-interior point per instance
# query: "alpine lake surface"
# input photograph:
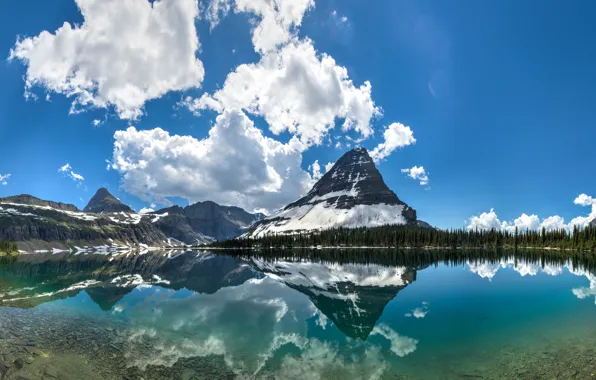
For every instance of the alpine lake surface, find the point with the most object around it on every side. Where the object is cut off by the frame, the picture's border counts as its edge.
(318, 314)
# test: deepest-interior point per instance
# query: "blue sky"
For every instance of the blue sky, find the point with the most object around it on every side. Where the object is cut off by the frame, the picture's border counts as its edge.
(499, 96)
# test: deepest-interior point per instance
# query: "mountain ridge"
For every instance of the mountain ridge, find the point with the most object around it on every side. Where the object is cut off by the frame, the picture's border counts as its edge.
(108, 224)
(204, 222)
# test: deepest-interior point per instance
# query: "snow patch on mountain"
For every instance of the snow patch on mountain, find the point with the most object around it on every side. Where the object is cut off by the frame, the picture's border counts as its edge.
(324, 216)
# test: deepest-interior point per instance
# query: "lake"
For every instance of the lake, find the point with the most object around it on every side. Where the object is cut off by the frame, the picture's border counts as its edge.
(351, 314)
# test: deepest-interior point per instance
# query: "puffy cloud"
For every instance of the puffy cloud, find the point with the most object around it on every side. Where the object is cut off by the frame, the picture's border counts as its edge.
(396, 136)
(124, 54)
(235, 165)
(68, 172)
(295, 90)
(584, 200)
(4, 178)
(215, 10)
(417, 172)
(487, 221)
(146, 210)
(553, 223)
(523, 223)
(328, 166)
(275, 20)
(316, 170)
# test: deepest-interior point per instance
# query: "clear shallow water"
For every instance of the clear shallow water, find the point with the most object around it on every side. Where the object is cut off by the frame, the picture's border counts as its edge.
(315, 315)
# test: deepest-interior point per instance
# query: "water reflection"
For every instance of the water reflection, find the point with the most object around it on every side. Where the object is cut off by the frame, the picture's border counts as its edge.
(314, 315)
(527, 267)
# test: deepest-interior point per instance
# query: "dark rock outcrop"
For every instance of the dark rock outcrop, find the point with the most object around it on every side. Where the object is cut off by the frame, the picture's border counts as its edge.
(103, 202)
(423, 224)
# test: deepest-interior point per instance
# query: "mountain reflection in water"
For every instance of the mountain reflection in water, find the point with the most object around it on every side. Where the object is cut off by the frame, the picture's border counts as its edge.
(293, 314)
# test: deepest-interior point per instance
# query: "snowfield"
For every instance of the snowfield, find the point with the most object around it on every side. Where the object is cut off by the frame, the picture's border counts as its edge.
(324, 216)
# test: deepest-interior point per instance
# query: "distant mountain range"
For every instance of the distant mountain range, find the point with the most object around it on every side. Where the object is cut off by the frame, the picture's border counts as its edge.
(351, 194)
(108, 224)
(204, 222)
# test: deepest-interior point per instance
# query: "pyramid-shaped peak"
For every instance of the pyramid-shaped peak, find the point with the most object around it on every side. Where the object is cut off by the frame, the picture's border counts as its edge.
(103, 201)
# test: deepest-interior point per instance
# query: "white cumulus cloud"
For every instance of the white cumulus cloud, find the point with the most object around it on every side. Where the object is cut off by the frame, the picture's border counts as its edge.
(396, 136)
(4, 178)
(328, 166)
(316, 170)
(295, 90)
(275, 21)
(124, 54)
(234, 165)
(490, 220)
(68, 172)
(418, 173)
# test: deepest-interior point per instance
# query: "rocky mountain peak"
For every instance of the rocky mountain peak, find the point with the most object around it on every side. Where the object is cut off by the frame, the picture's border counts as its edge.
(354, 179)
(103, 202)
(351, 194)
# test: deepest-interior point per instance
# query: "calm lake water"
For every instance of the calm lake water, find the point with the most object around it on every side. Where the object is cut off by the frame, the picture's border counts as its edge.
(313, 315)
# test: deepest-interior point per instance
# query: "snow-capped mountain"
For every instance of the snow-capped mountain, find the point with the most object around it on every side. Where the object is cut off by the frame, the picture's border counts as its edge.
(351, 194)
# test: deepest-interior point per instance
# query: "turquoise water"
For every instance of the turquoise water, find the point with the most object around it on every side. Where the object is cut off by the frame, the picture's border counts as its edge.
(201, 315)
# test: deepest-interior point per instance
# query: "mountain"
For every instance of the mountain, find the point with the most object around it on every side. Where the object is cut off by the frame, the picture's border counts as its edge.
(108, 224)
(103, 201)
(26, 199)
(351, 194)
(35, 227)
(204, 222)
(593, 223)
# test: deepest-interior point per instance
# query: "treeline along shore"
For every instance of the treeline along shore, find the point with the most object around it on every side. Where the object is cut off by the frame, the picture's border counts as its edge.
(580, 239)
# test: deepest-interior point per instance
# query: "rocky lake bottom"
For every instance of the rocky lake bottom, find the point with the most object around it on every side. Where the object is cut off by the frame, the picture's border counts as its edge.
(200, 315)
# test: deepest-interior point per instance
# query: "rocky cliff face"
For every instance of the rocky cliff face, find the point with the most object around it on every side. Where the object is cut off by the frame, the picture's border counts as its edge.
(104, 202)
(351, 194)
(204, 222)
(593, 223)
(39, 226)
(36, 224)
